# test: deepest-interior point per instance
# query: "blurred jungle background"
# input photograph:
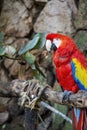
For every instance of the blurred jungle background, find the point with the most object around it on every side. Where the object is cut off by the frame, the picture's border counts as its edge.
(20, 21)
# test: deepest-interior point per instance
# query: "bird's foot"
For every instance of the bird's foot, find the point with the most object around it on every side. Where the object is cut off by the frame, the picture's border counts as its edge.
(66, 96)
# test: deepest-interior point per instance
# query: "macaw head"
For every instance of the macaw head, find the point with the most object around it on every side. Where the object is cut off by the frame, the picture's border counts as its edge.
(55, 41)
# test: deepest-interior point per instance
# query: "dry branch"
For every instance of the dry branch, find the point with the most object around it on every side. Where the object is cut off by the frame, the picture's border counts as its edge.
(16, 87)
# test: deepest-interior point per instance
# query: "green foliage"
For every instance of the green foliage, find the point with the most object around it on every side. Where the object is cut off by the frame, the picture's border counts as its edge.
(29, 46)
(41, 41)
(2, 50)
(30, 59)
(5, 50)
(10, 51)
(85, 1)
(37, 42)
(39, 76)
(59, 119)
(3, 126)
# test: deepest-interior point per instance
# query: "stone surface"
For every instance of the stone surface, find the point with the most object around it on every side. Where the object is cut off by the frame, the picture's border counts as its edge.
(55, 17)
(16, 124)
(72, 6)
(81, 40)
(3, 117)
(28, 3)
(15, 19)
(3, 76)
(41, 0)
(80, 20)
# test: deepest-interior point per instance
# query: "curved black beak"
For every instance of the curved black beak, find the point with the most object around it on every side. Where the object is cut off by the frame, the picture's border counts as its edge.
(53, 47)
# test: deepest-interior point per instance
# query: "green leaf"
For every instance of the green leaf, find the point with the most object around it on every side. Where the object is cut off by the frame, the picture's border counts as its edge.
(9, 50)
(30, 59)
(36, 43)
(2, 50)
(29, 46)
(41, 41)
(3, 126)
(36, 74)
(1, 37)
(33, 66)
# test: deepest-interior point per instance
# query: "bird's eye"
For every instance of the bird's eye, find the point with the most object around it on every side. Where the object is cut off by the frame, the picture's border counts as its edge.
(48, 45)
(57, 42)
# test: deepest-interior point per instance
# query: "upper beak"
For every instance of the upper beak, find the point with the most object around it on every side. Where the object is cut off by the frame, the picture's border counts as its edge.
(53, 47)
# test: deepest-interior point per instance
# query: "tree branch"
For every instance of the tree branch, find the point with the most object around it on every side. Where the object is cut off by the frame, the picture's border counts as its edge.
(16, 87)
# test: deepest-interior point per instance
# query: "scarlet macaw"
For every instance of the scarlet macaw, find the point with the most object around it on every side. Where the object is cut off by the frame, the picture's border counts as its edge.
(71, 71)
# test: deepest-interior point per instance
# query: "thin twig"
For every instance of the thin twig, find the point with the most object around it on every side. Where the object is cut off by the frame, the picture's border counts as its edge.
(11, 58)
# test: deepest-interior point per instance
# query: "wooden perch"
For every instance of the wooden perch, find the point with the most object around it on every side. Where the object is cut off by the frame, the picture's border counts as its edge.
(16, 87)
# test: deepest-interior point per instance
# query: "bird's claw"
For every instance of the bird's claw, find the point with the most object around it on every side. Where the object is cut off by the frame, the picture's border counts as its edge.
(66, 95)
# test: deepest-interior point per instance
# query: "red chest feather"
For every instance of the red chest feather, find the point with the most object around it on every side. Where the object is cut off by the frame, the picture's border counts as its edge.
(64, 75)
(62, 64)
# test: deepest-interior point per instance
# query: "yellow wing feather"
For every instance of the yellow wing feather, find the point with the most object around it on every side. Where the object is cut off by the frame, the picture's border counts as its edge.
(80, 73)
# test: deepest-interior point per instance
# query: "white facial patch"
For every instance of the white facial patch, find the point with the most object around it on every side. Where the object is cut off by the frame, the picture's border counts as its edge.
(48, 45)
(57, 42)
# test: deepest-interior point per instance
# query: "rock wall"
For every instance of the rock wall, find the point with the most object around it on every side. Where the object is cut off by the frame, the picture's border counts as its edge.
(54, 18)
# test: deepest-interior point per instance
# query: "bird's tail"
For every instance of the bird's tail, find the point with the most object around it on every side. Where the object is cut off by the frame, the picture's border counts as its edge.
(79, 117)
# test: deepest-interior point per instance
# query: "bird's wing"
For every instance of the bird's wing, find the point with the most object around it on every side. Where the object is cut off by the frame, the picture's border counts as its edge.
(79, 73)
